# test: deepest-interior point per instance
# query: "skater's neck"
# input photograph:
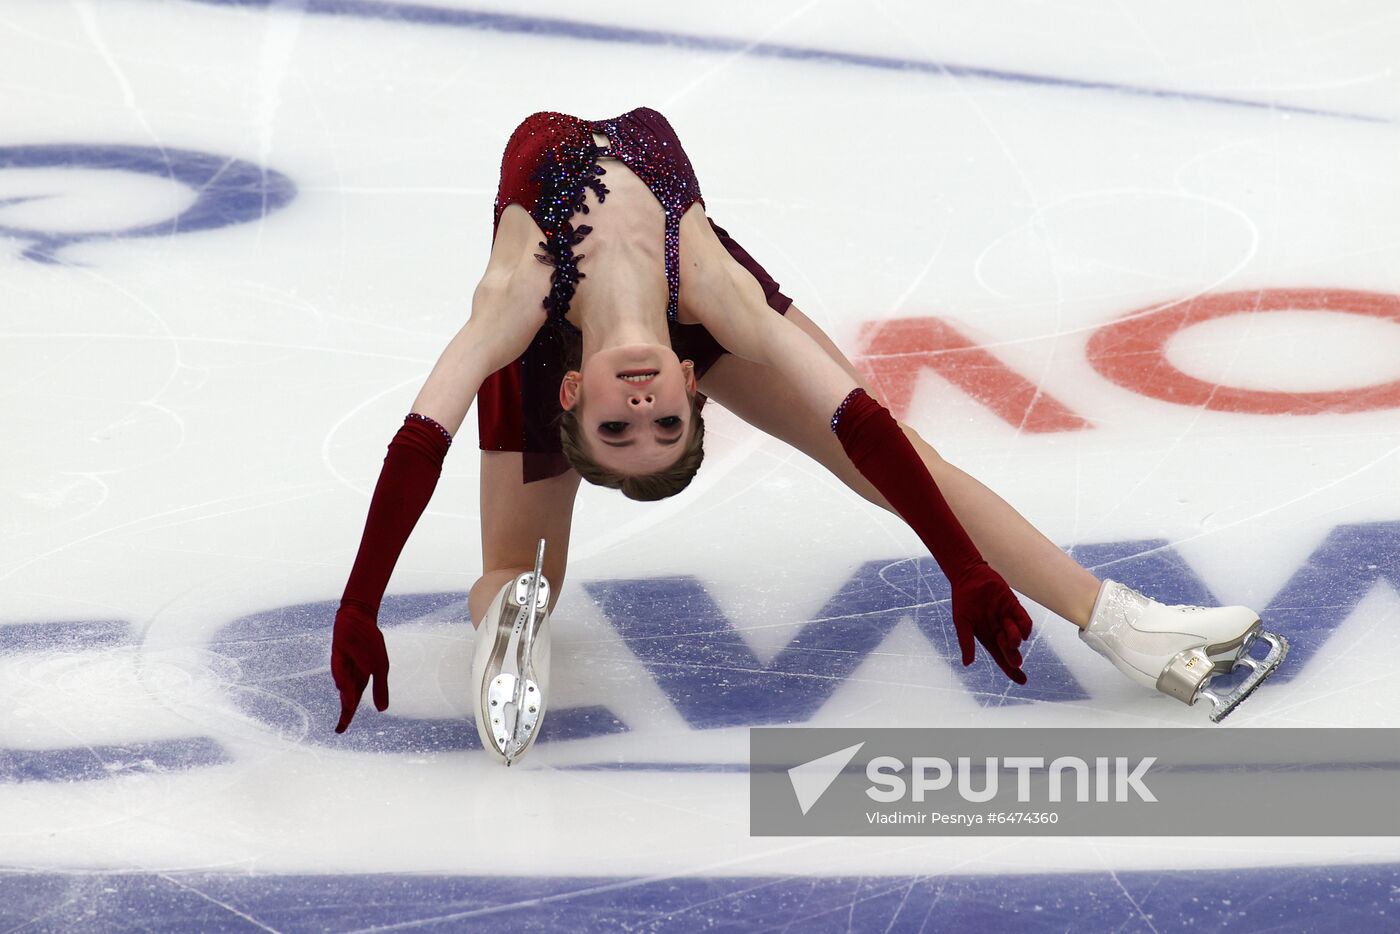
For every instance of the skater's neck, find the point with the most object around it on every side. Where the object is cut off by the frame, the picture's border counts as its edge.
(623, 301)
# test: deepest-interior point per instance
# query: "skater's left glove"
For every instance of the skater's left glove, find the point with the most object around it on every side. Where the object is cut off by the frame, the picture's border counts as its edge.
(984, 608)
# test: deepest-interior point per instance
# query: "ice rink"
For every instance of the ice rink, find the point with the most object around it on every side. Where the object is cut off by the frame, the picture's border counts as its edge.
(1136, 266)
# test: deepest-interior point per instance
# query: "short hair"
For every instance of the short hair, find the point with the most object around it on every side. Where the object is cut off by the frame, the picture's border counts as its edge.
(645, 487)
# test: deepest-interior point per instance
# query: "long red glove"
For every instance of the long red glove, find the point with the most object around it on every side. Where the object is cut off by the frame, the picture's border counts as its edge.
(984, 608)
(406, 483)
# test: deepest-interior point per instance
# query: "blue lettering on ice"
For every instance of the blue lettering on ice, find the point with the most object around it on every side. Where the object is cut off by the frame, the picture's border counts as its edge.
(284, 657)
(227, 191)
(82, 762)
(703, 664)
(1326, 589)
(695, 654)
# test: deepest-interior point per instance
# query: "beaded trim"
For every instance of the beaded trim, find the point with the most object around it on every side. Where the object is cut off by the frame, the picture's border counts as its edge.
(431, 424)
(563, 179)
(840, 409)
(568, 170)
(673, 188)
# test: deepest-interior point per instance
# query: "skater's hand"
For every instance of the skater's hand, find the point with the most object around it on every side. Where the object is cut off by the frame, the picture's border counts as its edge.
(357, 654)
(985, 610)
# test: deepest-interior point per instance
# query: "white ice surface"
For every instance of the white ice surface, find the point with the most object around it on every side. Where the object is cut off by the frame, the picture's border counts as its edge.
(193, 423)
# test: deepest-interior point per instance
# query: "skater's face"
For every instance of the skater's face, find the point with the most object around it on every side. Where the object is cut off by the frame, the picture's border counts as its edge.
(634, 405)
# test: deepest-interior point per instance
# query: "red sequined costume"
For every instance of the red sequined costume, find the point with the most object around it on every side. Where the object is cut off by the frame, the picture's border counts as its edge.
(550, 162)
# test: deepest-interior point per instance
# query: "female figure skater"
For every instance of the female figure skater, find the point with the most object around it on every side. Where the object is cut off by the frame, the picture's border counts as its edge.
(602, 376)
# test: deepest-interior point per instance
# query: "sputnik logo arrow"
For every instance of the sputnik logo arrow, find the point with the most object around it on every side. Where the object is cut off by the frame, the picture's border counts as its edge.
(810, 780)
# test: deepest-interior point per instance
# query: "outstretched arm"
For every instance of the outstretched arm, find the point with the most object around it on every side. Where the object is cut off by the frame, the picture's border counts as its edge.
(506, 312)
(984, 608)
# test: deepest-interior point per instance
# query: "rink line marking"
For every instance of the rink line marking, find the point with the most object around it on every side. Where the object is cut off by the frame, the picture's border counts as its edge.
(735, 55)
(543, 26)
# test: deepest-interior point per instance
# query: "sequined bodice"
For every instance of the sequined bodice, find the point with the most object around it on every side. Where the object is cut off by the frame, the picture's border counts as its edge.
(551, 163)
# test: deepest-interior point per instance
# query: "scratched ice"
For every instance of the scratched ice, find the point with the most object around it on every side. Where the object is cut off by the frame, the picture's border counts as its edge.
(237, 234)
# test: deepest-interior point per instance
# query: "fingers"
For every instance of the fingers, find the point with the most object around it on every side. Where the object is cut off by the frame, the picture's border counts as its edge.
(381, 688)
(350, 696)
(1008, 662)
(357, 654)
(1003, 635)
(1013, 628)
(1014, 617)
(1010, 647)
(1014, 674)
(1022, 620)
(966, 643)
(350, 681)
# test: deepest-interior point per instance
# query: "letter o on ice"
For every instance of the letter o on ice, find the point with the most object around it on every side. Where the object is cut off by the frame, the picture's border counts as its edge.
(1132, 352)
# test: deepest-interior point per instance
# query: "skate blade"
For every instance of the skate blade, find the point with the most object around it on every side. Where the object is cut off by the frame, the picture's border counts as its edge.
(527, 700)
(1259, 671)
(513, 727)
(509, 668)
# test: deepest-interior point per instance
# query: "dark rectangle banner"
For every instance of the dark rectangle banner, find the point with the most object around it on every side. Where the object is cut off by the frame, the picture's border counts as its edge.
(1074, 782)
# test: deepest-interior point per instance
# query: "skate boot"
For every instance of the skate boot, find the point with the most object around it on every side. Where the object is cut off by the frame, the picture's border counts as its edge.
(1179, 650)
(510, 667)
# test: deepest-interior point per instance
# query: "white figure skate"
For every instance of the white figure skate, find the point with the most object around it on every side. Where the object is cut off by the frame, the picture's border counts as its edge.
(510, 667)
(1179, 650)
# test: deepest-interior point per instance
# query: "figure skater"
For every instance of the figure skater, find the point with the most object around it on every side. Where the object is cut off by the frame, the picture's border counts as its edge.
(603, 376)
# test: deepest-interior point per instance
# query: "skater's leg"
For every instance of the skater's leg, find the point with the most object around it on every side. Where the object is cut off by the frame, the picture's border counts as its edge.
(514, 517)
(1030, 562)
(511, 653)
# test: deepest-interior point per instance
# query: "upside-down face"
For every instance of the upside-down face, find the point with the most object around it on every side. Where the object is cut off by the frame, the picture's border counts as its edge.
(634, 406)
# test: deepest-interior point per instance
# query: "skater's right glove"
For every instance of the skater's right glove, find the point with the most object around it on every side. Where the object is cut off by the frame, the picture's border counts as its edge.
(984, 608)
(406, 483)
(358, 654)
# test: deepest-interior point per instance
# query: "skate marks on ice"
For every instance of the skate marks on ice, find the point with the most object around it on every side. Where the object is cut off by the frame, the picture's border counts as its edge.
(1286, 900)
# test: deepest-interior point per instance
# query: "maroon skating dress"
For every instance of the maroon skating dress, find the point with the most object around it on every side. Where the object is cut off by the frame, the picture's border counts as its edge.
(549, 163)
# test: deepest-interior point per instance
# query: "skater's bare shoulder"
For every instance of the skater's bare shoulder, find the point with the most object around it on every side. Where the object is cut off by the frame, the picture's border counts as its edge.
(508, 302)
(718, 293)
